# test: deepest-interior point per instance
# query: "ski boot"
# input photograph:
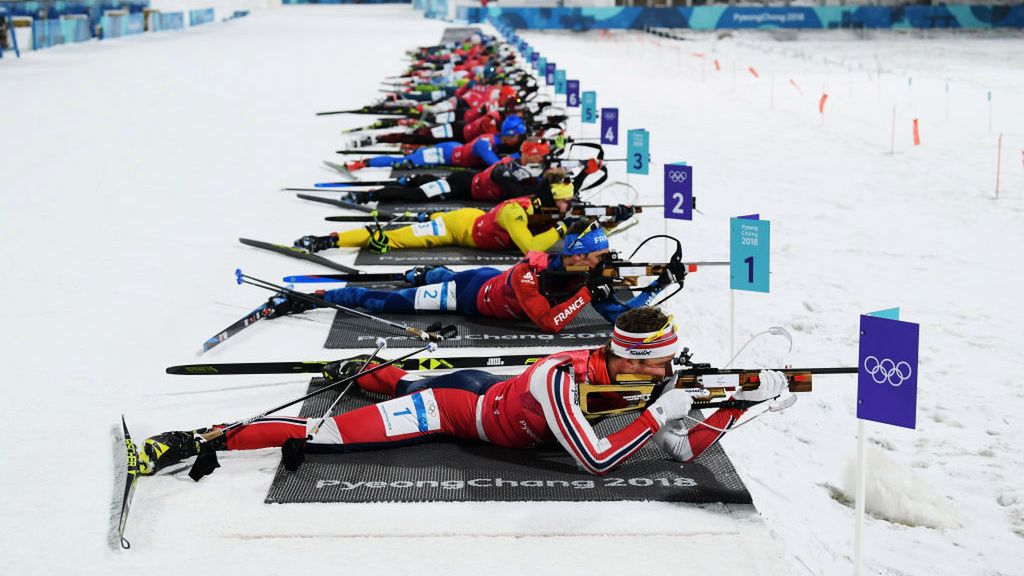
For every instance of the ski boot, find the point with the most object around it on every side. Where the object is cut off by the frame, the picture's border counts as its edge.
(357, 197)
(163, 450)
(419, 275)
(360, 141)
(355, 165)
(282, 304)
(341, 369)
(314, 244)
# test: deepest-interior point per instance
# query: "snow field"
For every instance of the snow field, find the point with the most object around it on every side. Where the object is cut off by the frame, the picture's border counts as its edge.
(139, 161)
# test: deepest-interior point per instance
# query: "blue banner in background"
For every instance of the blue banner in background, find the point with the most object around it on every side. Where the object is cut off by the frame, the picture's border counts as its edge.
(678, 191)
(610, 126)
(739, 17)
(589, 111)
(638, 152)
(887, 371)
(749, 254)
(572, 93)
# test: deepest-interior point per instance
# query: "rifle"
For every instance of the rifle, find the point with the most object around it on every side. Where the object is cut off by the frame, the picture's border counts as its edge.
(710, 387)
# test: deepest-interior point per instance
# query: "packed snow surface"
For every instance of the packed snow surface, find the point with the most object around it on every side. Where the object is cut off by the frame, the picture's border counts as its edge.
(130, 167)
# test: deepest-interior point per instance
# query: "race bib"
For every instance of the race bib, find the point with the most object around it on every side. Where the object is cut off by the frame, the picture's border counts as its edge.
(431, 228)
(436, 188)
(436, 297)
(433, 156)
(444, 117)
(415, 413)
(442, 131)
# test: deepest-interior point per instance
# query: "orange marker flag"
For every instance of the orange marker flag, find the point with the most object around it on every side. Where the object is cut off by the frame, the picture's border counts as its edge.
(917, 135)
(753, 71)
(821, 103)
(717, 66)
(797, 86)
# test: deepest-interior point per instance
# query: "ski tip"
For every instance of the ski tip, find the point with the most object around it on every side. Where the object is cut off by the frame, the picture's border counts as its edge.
(238, 276)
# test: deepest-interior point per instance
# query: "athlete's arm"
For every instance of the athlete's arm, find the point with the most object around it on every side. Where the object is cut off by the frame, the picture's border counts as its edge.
(611, 307)
(513, 218)
(485, 151)
(549, 318)
(554, 387)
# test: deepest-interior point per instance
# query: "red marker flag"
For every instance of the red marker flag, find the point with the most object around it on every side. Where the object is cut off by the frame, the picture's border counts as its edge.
(753, 72)
(821, 103)
(917, 135)
(797, 86)
(717, 66)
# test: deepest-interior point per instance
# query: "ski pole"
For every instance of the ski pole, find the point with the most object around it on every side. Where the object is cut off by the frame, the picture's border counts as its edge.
(381, 344)
(429, 347)
(434, 332)
(206, 461)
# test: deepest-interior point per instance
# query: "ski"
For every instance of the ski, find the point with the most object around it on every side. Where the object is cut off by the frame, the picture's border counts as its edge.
(298, 253)
(341, 169)
(359, 183)
(316, 366)
(373, 151)
(368, 218)
(363, 277)
(131, 477)
(250, 318)
(349, 205)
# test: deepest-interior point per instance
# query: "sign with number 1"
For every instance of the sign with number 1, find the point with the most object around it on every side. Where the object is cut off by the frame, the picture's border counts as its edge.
(637, 151)
(679, 191)
(572, 93)
(589, 111)
(749, 242)
(609, 126)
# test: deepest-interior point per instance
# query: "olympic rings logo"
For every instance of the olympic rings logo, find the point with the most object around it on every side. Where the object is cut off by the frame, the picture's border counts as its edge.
(887, 371)
(677, 176)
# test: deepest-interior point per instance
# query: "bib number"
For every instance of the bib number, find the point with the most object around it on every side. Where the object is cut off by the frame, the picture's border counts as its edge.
(436, 297)
(436, 188)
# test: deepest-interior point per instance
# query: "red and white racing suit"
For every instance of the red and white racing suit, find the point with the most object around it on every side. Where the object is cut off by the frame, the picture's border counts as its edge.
(539, 406)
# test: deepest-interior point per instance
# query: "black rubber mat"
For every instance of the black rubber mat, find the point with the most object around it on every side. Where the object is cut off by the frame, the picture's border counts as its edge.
(588, 328)
(450, 255)
(462, 471)
(453, 34)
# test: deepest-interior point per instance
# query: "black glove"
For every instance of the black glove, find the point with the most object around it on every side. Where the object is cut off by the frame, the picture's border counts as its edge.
(623, 212)
(673, 273)
(313, 244)
(600, 287)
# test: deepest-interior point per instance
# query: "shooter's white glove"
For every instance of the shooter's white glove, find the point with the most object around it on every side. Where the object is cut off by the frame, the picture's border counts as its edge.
(672, 405)
(673, 440)
(773, 383)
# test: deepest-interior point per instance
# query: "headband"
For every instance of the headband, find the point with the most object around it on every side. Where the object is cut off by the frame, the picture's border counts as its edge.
(640, 345)
(589, 241)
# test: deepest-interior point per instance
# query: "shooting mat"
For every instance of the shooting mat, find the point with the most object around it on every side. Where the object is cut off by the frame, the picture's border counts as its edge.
(463, 471)
(587, 329)
(448, 255)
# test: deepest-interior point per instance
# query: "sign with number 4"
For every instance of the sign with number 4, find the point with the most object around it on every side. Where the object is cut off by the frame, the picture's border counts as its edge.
(610, 126)
(749, 242)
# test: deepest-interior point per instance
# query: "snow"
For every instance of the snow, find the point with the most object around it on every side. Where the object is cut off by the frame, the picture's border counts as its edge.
(130, 167)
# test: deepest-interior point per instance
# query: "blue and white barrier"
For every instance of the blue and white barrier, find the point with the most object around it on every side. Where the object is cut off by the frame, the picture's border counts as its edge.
(161, 21)
(119, 26)
(747, 17)
(49, 33)
(197, 17)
